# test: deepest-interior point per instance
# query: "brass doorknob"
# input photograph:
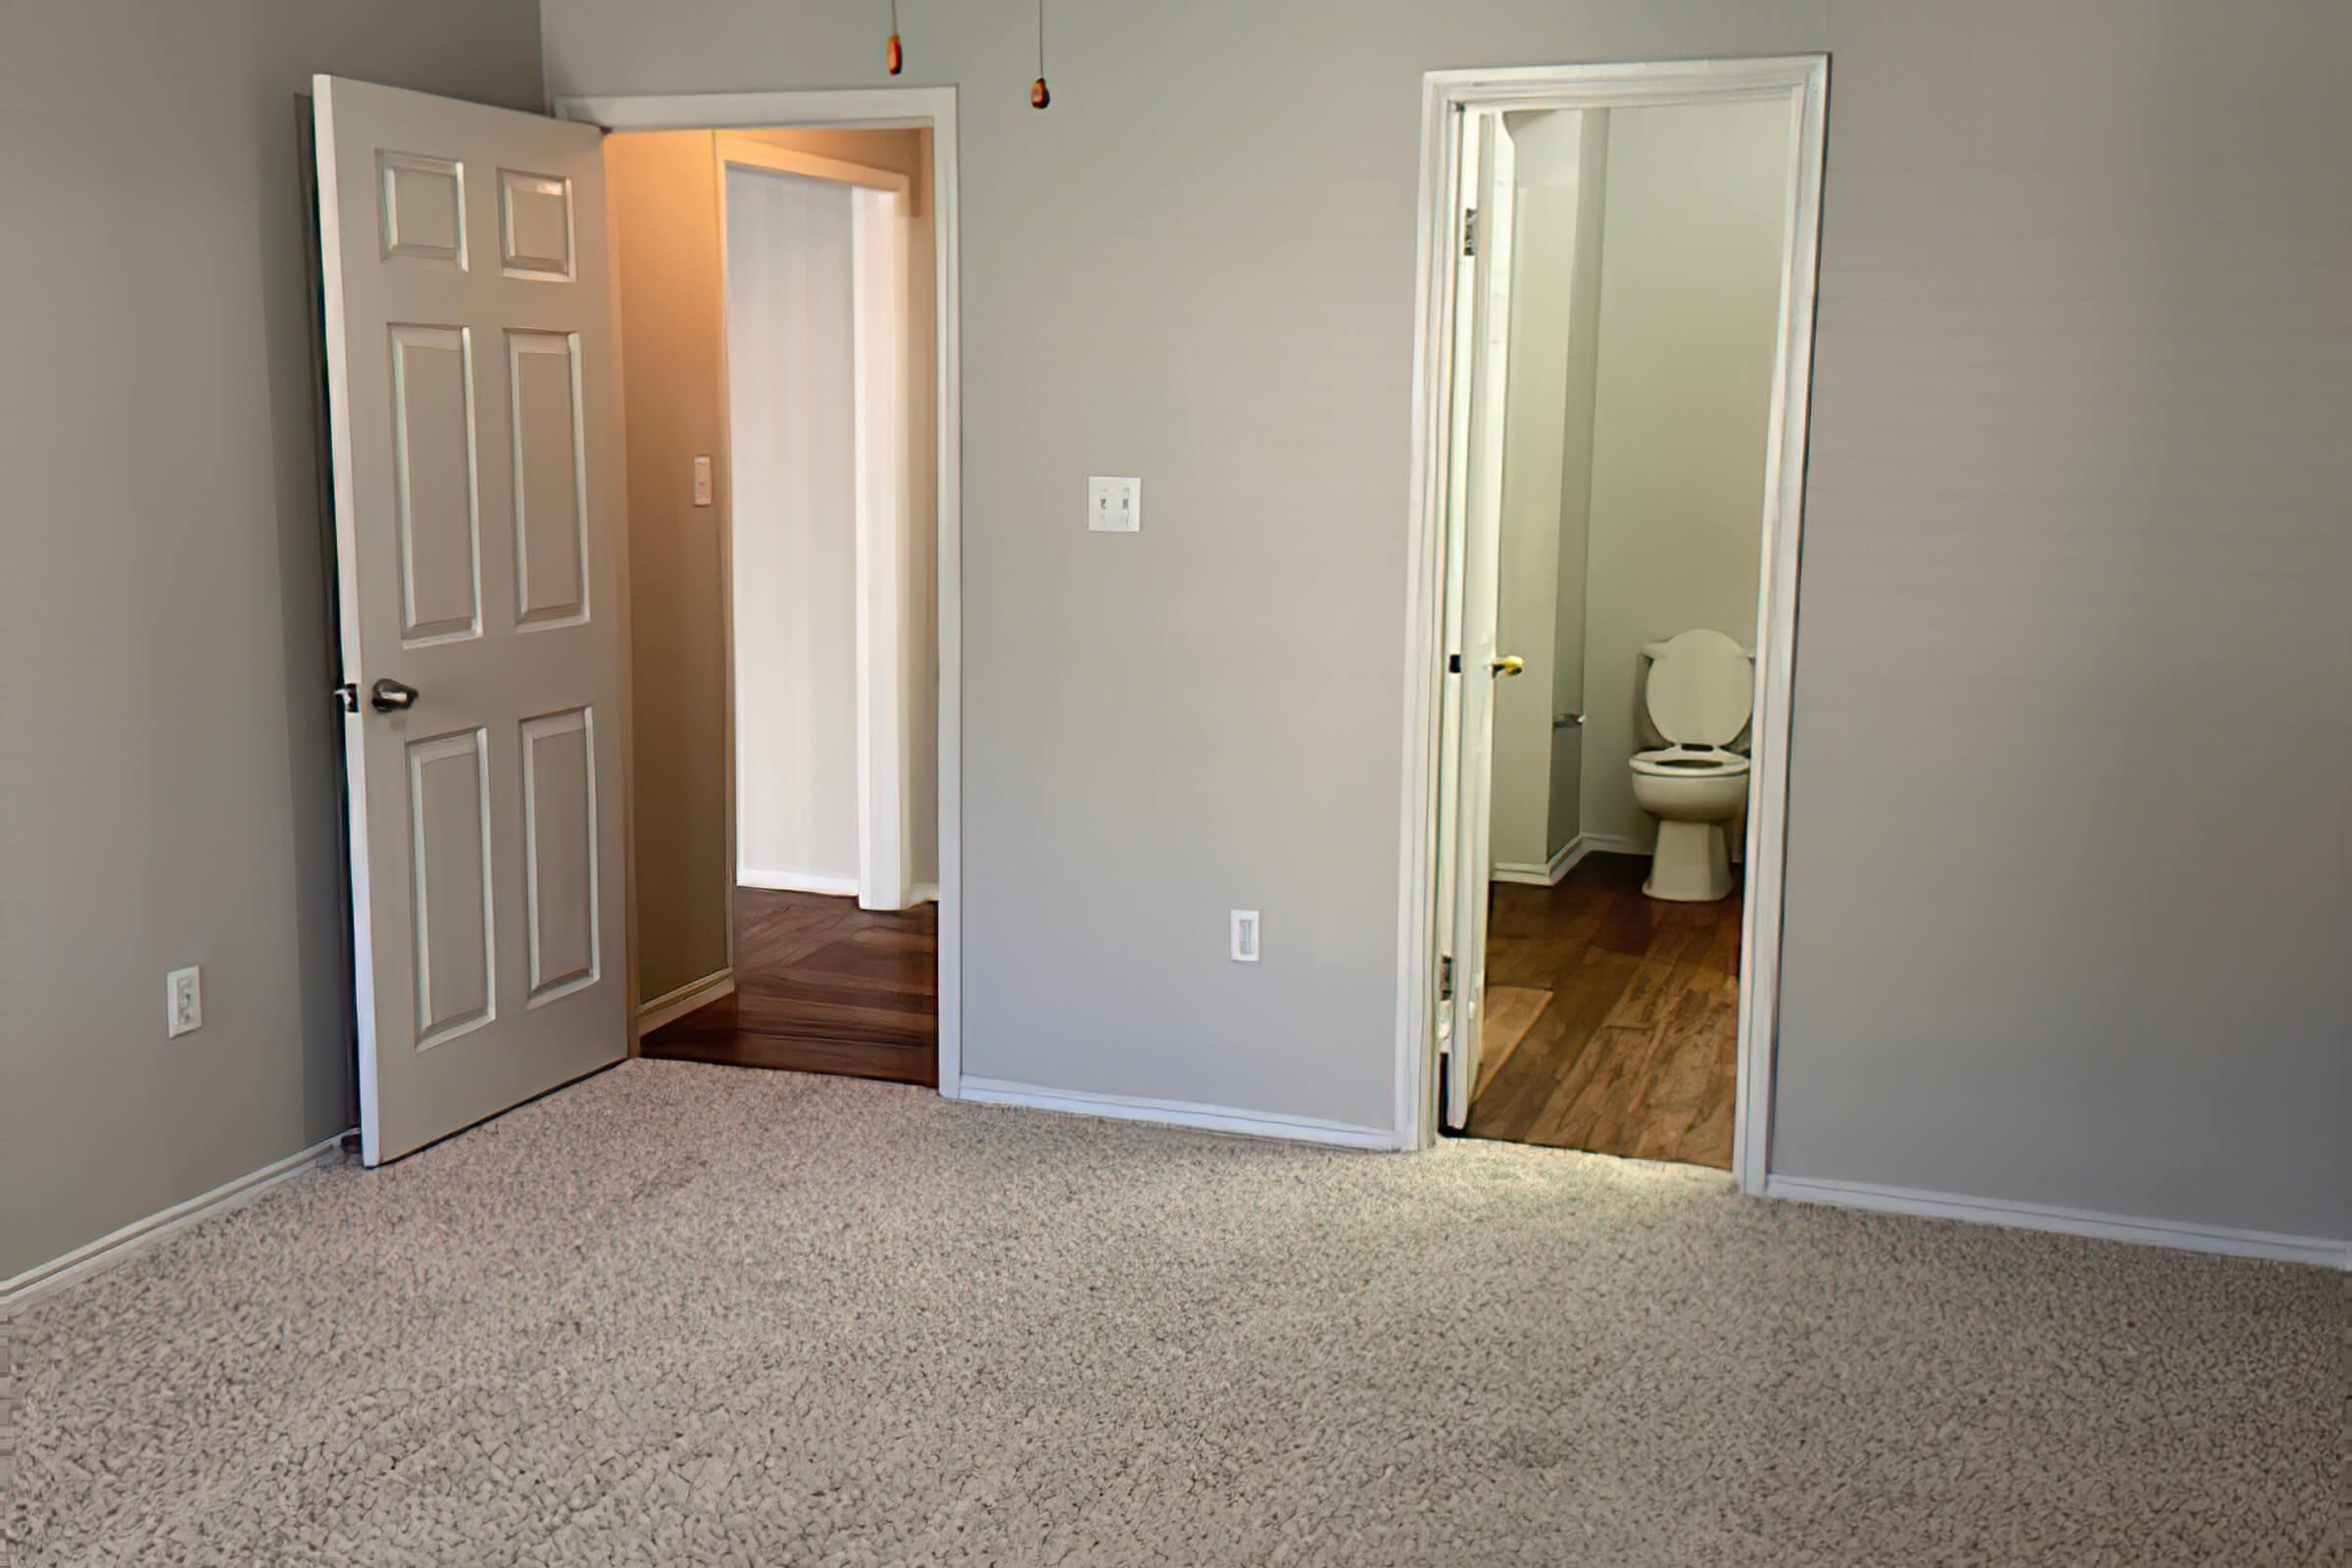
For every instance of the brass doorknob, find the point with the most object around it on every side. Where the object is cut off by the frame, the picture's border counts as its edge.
(1510, 665)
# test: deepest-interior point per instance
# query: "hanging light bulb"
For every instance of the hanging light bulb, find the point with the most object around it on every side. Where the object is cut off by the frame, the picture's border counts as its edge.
(1038, 95)
(893, 55)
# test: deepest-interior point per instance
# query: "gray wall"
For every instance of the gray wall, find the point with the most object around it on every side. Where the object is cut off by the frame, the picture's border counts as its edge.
(2075, 559)
(1204, 715)
(166, 776)
(2078, 555)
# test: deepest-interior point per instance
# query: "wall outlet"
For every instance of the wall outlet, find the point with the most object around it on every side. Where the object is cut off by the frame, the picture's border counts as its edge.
(1245, 936)
(183, 1001)
(702, 481)
(1115, 505)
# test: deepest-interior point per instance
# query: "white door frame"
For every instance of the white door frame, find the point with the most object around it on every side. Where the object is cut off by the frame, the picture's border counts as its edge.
(878, 108)
(1802, 81)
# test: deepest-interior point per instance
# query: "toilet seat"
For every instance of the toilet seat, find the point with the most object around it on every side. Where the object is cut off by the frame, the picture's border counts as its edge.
(1684, 761)
(1699, 688)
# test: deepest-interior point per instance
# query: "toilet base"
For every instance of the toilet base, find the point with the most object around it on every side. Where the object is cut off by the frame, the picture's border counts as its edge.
(1691, 864)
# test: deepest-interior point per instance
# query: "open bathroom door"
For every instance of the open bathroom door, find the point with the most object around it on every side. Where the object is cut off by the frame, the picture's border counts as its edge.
(473, 403)
(1487, 233)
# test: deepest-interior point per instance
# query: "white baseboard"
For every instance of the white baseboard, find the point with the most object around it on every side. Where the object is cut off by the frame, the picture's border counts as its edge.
(1549, 874)
(835, 886)
(752, 876)
(677, 1004)
(1178, 1113)
(2070, 1221)
(118, 1245)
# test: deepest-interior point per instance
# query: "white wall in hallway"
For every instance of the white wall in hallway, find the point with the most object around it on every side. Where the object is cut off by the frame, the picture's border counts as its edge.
(793, 438)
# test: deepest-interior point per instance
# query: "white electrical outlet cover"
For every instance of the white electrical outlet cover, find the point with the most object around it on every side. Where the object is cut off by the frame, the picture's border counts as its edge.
(1245, 936)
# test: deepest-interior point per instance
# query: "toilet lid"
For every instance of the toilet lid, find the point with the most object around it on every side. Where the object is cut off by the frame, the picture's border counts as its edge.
(1702, 688)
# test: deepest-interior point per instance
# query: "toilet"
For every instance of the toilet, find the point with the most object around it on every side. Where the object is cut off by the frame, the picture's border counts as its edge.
(1699, 692)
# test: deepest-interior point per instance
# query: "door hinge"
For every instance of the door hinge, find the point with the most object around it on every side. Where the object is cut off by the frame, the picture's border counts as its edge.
(1446, 977)
(1469, 231)
(1454, 663)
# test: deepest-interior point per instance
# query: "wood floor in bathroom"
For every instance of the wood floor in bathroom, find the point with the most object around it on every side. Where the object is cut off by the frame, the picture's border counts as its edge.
(1612, 1019)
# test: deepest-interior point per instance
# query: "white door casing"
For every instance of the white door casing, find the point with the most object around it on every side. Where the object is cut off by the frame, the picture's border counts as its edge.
(474, 423)
(1482, 551)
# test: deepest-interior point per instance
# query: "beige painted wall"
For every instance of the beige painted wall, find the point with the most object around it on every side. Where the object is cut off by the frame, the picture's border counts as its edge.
(1689, 313)
(167, 750)
(666, 198)
(664, 203)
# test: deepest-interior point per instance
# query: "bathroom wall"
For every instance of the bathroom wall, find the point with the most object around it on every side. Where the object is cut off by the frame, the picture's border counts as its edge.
(1535, 405)
(1689, 299)
(1569, 678)
(1546, 490)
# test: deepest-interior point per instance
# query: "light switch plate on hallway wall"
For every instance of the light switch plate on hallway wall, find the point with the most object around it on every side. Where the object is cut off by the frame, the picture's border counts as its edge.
(1114, 504)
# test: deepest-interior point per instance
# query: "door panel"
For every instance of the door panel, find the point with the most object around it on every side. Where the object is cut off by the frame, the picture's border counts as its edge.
(474, 420)
(434, 485)
(448, 818)
(551, 478)
(561, 870)
(1480, 522)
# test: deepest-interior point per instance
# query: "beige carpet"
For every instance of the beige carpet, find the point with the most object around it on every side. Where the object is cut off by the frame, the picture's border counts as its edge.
(684, 1314)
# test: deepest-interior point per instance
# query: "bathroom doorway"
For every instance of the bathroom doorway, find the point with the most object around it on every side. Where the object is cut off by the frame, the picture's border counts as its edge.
(1614, 344)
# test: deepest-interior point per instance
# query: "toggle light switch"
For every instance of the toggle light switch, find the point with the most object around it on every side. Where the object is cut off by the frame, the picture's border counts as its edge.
(1114, 504)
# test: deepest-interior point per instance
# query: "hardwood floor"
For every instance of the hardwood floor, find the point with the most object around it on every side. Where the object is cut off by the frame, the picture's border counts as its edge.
(821, 986)
(1612, 1019)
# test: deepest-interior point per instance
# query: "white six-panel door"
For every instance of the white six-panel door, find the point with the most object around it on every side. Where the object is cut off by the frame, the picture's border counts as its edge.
(474, 423)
